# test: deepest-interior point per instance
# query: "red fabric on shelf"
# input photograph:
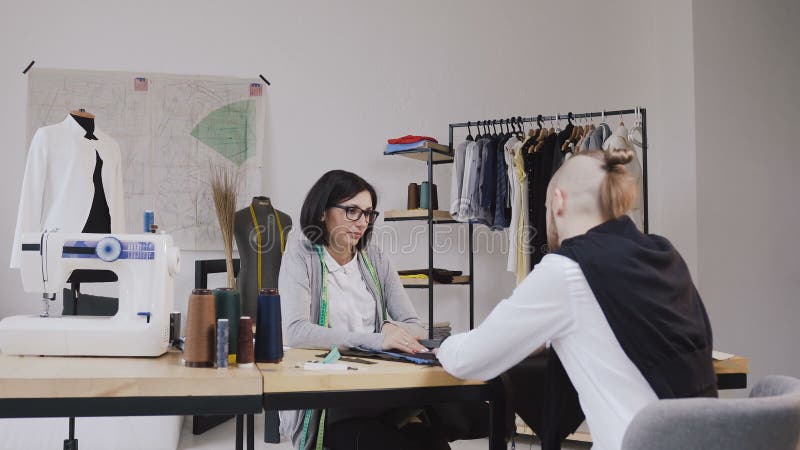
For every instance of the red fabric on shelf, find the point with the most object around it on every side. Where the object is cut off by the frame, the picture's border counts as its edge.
(409, 139)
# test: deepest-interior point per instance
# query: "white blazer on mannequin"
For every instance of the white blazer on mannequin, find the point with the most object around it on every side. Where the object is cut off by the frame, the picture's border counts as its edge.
(57, 190)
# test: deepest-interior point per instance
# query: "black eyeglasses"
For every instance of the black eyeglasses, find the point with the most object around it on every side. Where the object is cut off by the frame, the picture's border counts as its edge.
(354, 213)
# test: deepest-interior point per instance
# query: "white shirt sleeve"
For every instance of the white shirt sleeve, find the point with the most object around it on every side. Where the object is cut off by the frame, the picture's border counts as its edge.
(31, 199)
(538, 310)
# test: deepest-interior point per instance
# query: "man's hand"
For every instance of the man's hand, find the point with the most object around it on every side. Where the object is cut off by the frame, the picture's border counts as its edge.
(395, 337)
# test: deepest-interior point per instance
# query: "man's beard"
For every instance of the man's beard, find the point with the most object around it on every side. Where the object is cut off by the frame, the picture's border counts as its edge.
(552, 231)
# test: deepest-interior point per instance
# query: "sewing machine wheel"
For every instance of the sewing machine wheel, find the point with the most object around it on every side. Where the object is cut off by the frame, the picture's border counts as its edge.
(108, 249)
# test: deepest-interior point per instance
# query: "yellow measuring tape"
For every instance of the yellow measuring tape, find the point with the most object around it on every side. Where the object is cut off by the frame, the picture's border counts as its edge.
(257, 227)
(323, 321)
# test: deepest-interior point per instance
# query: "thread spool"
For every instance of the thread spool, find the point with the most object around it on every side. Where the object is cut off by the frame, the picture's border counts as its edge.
(228, 304)
(413, 196)
(199, 346)
(434, 198)
(423, 195)
(245, 351)
(222, 343)
(149, 219)
(269, 336)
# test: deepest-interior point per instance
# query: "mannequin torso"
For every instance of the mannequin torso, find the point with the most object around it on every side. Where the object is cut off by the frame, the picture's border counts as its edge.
(272, 226)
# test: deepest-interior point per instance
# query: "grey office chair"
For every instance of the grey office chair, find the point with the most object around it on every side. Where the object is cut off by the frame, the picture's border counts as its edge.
(768, 420)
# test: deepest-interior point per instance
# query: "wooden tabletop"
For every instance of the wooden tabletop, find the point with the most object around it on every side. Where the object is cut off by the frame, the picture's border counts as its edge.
(165, 376)
(736, 364)
(285, 377)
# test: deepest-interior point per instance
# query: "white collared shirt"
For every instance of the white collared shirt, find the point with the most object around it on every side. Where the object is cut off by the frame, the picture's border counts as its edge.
(57, 189)
(555, 303)
(351, 305)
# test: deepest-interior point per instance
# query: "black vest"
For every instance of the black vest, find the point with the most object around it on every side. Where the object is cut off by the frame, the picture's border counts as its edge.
(646, 293)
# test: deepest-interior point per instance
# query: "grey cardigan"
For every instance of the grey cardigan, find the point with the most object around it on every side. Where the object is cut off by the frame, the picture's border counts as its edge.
(300, 287)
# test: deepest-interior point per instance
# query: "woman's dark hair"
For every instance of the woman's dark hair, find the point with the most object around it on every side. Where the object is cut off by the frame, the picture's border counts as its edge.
(331, 189)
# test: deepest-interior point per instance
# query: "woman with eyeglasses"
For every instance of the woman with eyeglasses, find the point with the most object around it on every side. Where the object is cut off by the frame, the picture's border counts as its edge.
(338, 288)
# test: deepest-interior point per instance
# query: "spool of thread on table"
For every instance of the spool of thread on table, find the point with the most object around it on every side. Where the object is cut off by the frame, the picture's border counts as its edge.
(434, 197)
(222, 343)
(269, 337)
(229, 307)
(199, 346)
(245, 351)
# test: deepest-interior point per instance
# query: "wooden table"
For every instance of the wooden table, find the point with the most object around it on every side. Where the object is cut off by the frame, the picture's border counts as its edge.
(732, 373)
(386, 383)
(33, 386)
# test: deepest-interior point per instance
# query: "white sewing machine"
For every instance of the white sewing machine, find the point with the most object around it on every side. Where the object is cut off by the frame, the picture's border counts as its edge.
(145, 265)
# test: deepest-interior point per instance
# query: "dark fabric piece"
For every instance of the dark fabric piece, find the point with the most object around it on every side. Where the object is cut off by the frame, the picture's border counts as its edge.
(502, 213)
(458, 421)
(99, 220)
(539, 174)
(558, 154)
(489, 182)
(439, 275)
(542, 399)
(647, 295)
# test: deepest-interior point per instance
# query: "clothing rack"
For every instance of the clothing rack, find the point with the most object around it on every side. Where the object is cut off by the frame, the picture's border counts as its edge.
(570, 116)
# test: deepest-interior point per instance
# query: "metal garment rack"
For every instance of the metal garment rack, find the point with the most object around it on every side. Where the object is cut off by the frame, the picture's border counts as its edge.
(642, 111)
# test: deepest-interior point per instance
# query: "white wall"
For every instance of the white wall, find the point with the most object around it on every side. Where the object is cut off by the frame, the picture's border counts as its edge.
(347, 75)
(747, 67)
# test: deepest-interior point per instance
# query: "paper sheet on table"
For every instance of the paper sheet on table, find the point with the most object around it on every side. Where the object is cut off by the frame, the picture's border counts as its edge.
(721, 356)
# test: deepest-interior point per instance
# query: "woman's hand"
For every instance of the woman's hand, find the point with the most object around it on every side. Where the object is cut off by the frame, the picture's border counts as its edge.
(395, 337)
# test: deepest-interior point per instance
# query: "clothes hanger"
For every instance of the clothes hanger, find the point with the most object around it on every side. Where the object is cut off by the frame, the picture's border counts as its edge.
(82, 113)
(478, 128)
(494, 129)
(469, 131)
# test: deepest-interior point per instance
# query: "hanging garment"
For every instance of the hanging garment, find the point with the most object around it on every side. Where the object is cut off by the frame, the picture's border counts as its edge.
(524, 231)
(558, 154)
(619, 140)
(58, 188)
(511, 149)
(597, 138)
(470, 205)
(457, 178)
(541, 165)
(471, 156)
(502, 213)
(488, 185)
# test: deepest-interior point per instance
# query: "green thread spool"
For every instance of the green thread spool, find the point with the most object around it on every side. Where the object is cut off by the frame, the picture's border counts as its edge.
(228, 305)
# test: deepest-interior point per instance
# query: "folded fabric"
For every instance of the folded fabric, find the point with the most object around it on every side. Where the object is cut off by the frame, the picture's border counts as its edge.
(393, 148)
(427, 359)
(439, 275)
(410, 138)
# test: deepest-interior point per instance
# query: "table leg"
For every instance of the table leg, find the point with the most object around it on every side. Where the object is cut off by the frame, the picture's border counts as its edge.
(497, 422)
(251, 444)
(271, 425)
(239, 432)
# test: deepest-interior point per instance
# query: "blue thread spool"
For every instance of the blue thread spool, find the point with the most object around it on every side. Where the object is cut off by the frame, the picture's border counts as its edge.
(149, 219)
(222, 343)
(424, 191)
(269, 337)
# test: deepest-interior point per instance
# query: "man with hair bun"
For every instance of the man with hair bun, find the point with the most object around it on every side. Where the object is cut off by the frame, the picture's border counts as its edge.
(624, 322)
